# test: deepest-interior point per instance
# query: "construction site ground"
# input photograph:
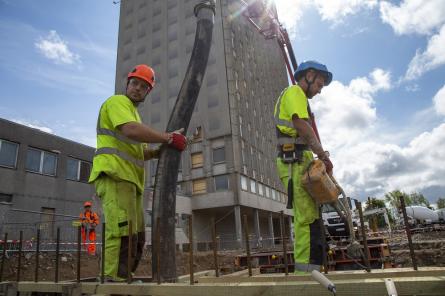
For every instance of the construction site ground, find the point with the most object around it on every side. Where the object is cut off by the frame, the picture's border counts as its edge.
(429, 249)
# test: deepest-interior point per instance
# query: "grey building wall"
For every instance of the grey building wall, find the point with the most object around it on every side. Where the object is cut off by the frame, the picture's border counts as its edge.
(34, 191)
(244, 76)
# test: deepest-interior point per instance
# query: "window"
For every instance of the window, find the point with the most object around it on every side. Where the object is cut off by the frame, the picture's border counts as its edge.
(5, 197)
(199, 186)
(197, 160)
(197, 135)
(260, 189)
(252, 186)
(219, 155)
(273, 194)
(8, 153)
(42, 162)
(267, 191)
(77, 170)
(243, 183)
(221, 182)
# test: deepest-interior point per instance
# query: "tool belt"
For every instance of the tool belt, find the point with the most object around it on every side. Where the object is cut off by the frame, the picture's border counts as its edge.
(291, 152)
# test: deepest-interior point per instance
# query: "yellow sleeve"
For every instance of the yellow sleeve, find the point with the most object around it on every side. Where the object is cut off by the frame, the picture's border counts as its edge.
(295, 102)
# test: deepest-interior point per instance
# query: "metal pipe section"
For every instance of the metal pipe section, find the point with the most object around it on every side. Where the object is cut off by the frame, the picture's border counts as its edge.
(246, 238)
(192, 271)
(56, 277)
(215, 248)
(19, 263)
(283, 241)
(5, 247)
(358, 206)
(164, 198)
(36, 275)
(408, 233)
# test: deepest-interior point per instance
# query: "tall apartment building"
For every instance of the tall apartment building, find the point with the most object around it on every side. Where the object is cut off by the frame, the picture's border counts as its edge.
(229, 170)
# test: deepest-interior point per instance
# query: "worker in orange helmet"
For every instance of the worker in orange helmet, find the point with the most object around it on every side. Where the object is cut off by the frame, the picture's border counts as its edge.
(89, 220)
(118, 170)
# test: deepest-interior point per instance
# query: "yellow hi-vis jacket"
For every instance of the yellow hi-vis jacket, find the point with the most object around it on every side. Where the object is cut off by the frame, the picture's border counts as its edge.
(292, 101)
(116, 155)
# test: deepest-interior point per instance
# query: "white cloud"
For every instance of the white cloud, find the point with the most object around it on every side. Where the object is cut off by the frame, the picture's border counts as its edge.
(439, 101)
(414, 16)
(368, 158)
(56, 49)
(431, 58)
(35, 125)
(337, 10)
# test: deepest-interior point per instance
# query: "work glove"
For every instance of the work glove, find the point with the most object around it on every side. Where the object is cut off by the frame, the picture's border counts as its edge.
(327, 162)
(177, 140)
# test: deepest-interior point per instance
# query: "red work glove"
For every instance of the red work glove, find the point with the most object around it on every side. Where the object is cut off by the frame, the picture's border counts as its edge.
(177, 140)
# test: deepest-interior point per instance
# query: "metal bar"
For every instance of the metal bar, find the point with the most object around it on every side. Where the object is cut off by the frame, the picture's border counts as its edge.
(130, 247)
(358, 206)
(19, 263)
(44, 213)
(286, 60)
(102, 263)
(5, 247)
(246, 237)
(408, 233)
(36, 275)
(79, 233)
(215, 248)
(56, 277)
(283, 241)
(158, 249)
(192, 280)
(323, 241)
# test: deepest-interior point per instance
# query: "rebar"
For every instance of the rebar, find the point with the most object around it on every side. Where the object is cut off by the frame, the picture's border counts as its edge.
(246, 237)
(19, 263)
(36, 275)
(192, 280)
(5, 247)
(215, 248)
(56, 277)
(283, 241)
(408, 233)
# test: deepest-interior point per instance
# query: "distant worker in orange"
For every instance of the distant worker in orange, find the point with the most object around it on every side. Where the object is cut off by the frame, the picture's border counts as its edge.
(89, 220)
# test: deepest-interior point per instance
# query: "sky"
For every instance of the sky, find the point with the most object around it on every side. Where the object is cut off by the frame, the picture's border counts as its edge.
(382, 118)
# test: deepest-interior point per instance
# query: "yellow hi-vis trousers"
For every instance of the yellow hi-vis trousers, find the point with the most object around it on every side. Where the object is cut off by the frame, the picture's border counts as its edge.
(121, 203)
(308, 252)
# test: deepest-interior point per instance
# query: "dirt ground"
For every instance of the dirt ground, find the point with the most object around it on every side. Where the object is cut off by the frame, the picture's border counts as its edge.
(90, 265)
(429, 249)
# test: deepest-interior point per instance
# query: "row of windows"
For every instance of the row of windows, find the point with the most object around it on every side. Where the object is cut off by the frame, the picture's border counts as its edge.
(43, 162)
(261, 189)
(218, 156)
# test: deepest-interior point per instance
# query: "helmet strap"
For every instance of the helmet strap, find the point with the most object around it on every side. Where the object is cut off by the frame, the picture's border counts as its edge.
(309, 84)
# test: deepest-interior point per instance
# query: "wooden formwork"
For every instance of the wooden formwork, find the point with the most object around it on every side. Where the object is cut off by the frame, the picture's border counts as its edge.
(426, 281)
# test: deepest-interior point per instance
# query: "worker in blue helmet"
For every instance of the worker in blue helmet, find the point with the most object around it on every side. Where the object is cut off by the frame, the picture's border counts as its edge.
(297, 143)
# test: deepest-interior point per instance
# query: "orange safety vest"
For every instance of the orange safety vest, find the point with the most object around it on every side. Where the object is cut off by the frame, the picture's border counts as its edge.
(89, 217)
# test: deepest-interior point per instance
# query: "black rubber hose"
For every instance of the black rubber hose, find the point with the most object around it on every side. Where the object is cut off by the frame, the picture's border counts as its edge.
(164, 197)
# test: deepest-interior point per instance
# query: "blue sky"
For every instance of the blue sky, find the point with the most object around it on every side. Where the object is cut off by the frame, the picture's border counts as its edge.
(382, 118)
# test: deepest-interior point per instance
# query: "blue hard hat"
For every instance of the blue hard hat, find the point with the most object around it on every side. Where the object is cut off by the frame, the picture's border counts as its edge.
(316, 66)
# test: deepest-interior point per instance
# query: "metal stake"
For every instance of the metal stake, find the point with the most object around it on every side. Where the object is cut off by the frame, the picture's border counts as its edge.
(358, 205)
(215, 248)
(408, 233)
(192, 280)
(56, 278)
(102, 263)
(19, 265)
(36, 276)
(283, 240)
(5, 247)
(158, 249)
(130, 257)
(323, 240)
(78, 252)
(246, 237)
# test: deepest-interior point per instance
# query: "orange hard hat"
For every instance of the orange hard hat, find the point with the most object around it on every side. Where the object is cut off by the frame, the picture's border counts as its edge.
(145, 73)
(87, 204)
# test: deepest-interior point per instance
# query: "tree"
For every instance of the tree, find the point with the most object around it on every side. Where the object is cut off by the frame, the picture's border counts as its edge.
(393, 198)
(440, 203)
(374, 203)
(419, 200)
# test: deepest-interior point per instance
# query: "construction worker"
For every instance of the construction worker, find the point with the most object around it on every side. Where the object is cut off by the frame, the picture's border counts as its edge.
(89, 220)
(118, 170)
(296, 143)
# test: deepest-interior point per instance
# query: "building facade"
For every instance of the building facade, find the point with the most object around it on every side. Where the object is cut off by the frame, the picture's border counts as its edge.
(229, 169)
